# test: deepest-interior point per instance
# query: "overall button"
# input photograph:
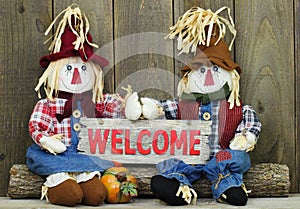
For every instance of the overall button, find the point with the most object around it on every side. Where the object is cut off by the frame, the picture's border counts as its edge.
(206, 116)
(76, 114)
(76, 127)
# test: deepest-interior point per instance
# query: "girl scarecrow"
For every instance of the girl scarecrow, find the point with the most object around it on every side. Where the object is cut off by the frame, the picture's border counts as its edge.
(209, 90)
(73, 84)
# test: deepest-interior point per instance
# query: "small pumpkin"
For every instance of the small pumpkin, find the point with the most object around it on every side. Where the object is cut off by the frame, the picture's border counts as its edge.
(120, 184)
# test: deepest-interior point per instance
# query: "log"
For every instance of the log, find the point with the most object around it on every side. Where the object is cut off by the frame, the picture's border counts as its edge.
(23, 183)
(264, 180)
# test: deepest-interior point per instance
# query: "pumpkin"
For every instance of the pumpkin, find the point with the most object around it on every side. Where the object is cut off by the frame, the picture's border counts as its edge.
(120, 184)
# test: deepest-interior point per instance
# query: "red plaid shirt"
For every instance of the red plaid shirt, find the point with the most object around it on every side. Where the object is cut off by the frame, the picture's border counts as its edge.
(43, 119)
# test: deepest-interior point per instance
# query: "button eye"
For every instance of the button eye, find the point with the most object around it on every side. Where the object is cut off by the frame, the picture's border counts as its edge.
(83, 67)
(215, 68)
(202, 70)
(69, 67)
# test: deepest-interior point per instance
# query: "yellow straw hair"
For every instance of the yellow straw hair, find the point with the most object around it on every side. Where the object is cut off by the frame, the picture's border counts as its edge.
(196, 27)
(234, 97)
(79, 21)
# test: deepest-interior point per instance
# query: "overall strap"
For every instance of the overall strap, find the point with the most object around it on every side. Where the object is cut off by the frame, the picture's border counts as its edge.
(229, 119)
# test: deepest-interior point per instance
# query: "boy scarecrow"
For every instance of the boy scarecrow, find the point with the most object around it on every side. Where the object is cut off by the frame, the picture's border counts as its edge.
(73, 83)
(209, 90)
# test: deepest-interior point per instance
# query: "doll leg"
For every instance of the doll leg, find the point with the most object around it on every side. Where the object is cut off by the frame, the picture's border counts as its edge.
(165, 189)
(62, 189)
(225, 171)
(235, 196)
(67, 193)
(94, 192)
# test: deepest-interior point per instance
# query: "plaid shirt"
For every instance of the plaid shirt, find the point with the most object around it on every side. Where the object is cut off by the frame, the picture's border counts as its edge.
(250, 121)
(43, 119)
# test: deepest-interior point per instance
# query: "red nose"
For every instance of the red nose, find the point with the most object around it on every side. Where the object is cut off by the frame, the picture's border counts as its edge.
(209, 81)
(76, 77)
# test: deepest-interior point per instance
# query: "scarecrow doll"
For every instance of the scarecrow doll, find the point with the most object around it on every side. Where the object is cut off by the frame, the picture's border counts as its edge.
(209, 90)
(73, 83)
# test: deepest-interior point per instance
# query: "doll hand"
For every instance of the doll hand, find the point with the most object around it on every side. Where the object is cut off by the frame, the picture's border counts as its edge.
(151, 110)
(188, 194)
(53, 144)
(245, 142)
(133, 109)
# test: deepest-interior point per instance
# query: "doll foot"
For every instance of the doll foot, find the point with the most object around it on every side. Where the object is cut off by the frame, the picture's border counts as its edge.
(235, 196)
(68, 193)
(165, 189)
(94, 192)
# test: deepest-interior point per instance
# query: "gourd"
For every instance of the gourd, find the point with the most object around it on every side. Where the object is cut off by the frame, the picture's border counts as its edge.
(120, 184)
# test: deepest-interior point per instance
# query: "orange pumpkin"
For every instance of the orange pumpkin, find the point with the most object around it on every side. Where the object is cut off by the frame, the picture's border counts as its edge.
(120, 184)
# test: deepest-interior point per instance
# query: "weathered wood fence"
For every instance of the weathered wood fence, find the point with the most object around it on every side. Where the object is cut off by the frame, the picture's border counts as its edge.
(130, 34)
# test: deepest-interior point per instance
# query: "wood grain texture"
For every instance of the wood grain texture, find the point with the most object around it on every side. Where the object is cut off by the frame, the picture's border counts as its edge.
(267, 48)
(265, 51)
(297, 90)
(142, 54)
(264, 180)
(145, 141)
(21, 40)
(100, 16)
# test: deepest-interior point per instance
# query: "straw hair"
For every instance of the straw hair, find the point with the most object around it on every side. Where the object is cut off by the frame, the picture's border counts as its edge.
(77, 21)
(234, 98)
(196, 27)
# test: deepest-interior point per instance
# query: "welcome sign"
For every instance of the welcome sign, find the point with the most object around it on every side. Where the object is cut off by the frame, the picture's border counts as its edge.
(145, 141)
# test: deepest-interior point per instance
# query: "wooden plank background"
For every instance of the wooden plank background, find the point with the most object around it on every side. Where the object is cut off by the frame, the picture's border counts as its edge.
(267, 49)
(297, 90)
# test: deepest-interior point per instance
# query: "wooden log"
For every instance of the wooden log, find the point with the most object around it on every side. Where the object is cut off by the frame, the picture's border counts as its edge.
(23, 183)
(264, 180)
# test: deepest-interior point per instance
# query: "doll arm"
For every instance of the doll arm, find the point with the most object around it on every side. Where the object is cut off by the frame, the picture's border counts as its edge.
(115, 106)
(155, 109)
(110, 107)
(151, 109)
(40, 124)
(247, 132)
(170, 107)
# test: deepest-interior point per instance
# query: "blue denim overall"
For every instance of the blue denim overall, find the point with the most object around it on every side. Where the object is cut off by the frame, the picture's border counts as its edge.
(71, 160)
